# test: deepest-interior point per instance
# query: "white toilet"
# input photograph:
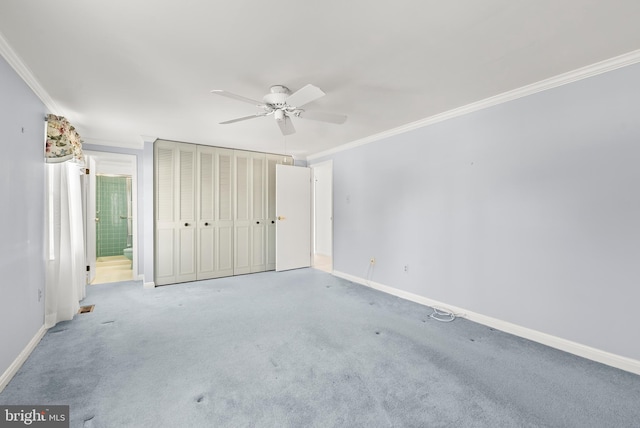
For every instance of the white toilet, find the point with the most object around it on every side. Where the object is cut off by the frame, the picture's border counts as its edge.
(128, 253)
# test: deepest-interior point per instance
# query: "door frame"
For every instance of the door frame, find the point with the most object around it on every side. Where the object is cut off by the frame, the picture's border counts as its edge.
(328, 164)
(108, 163)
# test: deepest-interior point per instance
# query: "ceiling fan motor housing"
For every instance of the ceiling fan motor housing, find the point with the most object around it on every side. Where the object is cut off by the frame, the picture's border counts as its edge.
(277, 97)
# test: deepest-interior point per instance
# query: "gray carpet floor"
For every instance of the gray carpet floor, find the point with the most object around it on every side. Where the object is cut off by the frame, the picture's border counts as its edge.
(305, 349)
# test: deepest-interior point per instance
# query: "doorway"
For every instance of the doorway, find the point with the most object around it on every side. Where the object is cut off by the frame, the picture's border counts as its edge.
(112, 238)
(323, 216)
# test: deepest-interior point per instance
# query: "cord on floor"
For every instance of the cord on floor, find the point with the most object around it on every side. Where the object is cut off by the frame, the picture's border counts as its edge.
(442, 315)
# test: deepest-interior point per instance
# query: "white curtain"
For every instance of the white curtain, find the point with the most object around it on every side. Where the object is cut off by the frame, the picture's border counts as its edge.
(66, 266)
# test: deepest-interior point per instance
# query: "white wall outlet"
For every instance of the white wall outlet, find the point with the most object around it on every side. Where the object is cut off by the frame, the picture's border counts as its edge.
(406, 268)
(372, 261)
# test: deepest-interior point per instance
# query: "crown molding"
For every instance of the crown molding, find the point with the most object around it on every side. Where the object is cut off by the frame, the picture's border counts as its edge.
(601, 67)
(25, 73)
(148, 139)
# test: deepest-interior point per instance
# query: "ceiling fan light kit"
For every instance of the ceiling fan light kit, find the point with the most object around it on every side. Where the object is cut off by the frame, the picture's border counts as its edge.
(283, 105)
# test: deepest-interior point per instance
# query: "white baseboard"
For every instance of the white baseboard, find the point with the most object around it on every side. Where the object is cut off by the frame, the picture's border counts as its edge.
(613, 360)
(22, 357)
(150, 284)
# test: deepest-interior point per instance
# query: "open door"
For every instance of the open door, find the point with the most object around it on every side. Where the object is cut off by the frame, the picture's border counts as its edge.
(90, 218)
(293, 211)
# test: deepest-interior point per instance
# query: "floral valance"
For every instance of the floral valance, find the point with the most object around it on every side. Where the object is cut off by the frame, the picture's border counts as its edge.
(63, 142)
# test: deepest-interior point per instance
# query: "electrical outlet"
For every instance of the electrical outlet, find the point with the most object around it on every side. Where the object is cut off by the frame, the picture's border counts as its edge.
(372, 261)
(39, 294)
(406, 268)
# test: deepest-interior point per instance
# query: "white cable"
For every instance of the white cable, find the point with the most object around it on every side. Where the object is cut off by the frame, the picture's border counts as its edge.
(442, 315)
(369, 274)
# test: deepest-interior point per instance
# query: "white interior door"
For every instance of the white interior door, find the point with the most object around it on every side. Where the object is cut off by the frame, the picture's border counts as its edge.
(293, 208)
(90, 215)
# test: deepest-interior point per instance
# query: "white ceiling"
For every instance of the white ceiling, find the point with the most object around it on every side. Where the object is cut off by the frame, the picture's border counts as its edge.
(123, 69)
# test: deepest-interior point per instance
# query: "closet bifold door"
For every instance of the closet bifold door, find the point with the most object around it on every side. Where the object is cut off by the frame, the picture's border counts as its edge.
(186, 213)
(250, 212)
(242, 212)
(224, 212)
(175, 239)
(165, 157)
(214, 208)
(205, 202)
(258, 193)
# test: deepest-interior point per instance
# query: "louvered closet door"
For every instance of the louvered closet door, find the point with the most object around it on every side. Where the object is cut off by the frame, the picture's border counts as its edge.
(186, 213)
(243, 213)
(258, 212)
(165, 154)
(224, 212)
(206, 200)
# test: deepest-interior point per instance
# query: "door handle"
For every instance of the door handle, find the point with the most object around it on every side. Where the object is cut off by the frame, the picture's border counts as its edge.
(206, 224)
(281, 217)
(186, 224)
(257, 222)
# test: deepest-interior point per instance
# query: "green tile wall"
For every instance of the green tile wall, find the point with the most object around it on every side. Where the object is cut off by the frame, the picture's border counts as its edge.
(111, 202)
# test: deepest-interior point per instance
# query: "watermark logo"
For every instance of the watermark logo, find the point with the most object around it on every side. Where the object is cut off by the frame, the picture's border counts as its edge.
(34, 416)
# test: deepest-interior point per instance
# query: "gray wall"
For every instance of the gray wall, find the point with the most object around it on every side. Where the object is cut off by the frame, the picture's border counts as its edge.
(528, 212)
(22, 263)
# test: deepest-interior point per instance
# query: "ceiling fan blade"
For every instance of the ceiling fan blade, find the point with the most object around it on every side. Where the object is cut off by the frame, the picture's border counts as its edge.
(240, 119)
(304, 95)
(324, 117)
(286, 126)
(237, 97)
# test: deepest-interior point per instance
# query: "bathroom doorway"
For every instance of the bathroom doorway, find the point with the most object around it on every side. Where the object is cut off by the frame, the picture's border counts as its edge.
(114, 217)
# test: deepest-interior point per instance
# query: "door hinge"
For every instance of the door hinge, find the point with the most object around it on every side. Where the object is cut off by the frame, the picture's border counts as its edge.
(88, 268)
(86, 170)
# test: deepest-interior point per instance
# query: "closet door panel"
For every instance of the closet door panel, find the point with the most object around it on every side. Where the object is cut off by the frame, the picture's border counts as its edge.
(186, 235)
(224, 213)
(165, 256)
(270, 187)
(242, 205)
(242, 253)
(258, 212)
(258, 261)
(165, 155)
(206, 253)
(186, 250)
(206, 198)
(224, 244)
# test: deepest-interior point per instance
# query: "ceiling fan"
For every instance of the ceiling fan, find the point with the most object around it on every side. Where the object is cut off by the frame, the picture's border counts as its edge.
(284, 105)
